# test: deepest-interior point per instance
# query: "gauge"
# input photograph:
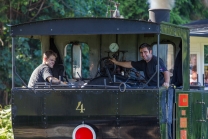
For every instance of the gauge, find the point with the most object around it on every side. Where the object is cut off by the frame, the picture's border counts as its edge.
(113, 47)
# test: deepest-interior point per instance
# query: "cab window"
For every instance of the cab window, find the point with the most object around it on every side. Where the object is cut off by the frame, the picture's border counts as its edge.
(76, 60)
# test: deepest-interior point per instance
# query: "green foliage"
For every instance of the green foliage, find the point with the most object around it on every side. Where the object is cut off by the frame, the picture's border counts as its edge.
(5, 68)
(85, 60)
(68, 60)
(206, 54)
(96, 8)
(134, 9)
(28, 57)
(6, 123)
(21, 11)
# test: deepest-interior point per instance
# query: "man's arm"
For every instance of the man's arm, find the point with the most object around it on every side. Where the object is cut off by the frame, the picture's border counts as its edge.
(123, 64)
(167, 79)
(55, 80)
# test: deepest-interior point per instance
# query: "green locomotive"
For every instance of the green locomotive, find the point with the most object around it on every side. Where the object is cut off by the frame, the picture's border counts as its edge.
(102, 100)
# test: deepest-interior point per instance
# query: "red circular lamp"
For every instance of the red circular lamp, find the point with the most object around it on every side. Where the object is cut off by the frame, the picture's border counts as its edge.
(83, 132)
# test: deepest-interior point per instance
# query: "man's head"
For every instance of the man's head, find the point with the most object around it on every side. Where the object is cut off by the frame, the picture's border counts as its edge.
(49, 58)
(145, 52)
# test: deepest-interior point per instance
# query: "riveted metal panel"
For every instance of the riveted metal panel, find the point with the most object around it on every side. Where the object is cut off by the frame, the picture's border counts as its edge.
(64, 102)
(81, 102)
(141, 102)
(27, 102)
(59, 112)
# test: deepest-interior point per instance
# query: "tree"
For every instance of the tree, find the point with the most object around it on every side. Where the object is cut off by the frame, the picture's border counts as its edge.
(183, 12)
(134, 9)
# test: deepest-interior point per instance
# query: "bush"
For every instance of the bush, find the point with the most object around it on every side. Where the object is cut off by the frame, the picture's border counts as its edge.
(6, 131)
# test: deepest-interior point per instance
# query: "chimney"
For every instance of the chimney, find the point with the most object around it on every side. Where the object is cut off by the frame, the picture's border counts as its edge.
(159, 15)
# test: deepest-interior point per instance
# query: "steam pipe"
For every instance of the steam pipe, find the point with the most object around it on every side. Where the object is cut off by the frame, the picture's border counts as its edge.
(159, 15)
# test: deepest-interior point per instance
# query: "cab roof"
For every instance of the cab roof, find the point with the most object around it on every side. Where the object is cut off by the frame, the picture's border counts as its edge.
(82, 26)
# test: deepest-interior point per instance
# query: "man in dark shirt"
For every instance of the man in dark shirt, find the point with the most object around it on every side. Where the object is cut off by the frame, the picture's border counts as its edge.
(43, 72)
(148, 66)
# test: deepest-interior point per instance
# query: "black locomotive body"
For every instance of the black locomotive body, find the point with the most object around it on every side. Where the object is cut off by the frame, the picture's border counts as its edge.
(108, 100)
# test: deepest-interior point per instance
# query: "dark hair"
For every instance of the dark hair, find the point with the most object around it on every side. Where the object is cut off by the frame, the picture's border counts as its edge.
(194, 68)
(143, 45)
(48, 53)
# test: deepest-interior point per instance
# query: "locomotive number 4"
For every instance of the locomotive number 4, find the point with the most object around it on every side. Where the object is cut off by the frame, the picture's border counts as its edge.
(80, 107)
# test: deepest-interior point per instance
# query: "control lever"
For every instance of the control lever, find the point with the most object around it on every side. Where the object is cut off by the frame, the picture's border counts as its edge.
(116, 55)
(80, 77)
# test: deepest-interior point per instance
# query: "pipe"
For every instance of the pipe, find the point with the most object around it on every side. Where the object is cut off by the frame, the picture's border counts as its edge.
(158, 62)
(13, 61)
(159, 15)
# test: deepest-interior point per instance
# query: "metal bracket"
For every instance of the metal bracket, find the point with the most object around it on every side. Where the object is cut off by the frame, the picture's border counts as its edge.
(201, 120)
(200, 102)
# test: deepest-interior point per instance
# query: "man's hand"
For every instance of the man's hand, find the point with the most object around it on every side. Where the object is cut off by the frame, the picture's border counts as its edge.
(56, 81)
(113, 60)
(166, 85)
(125, 64)
(63, 83)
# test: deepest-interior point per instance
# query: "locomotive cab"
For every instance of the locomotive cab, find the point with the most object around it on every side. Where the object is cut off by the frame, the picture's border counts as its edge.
(100, 100)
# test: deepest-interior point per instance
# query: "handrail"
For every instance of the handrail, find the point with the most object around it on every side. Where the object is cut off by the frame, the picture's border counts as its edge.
(150, 78)
(19, 77)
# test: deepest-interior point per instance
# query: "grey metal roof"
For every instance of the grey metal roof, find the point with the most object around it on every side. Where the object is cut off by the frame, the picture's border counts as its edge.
(77, 26)
(198, 28)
